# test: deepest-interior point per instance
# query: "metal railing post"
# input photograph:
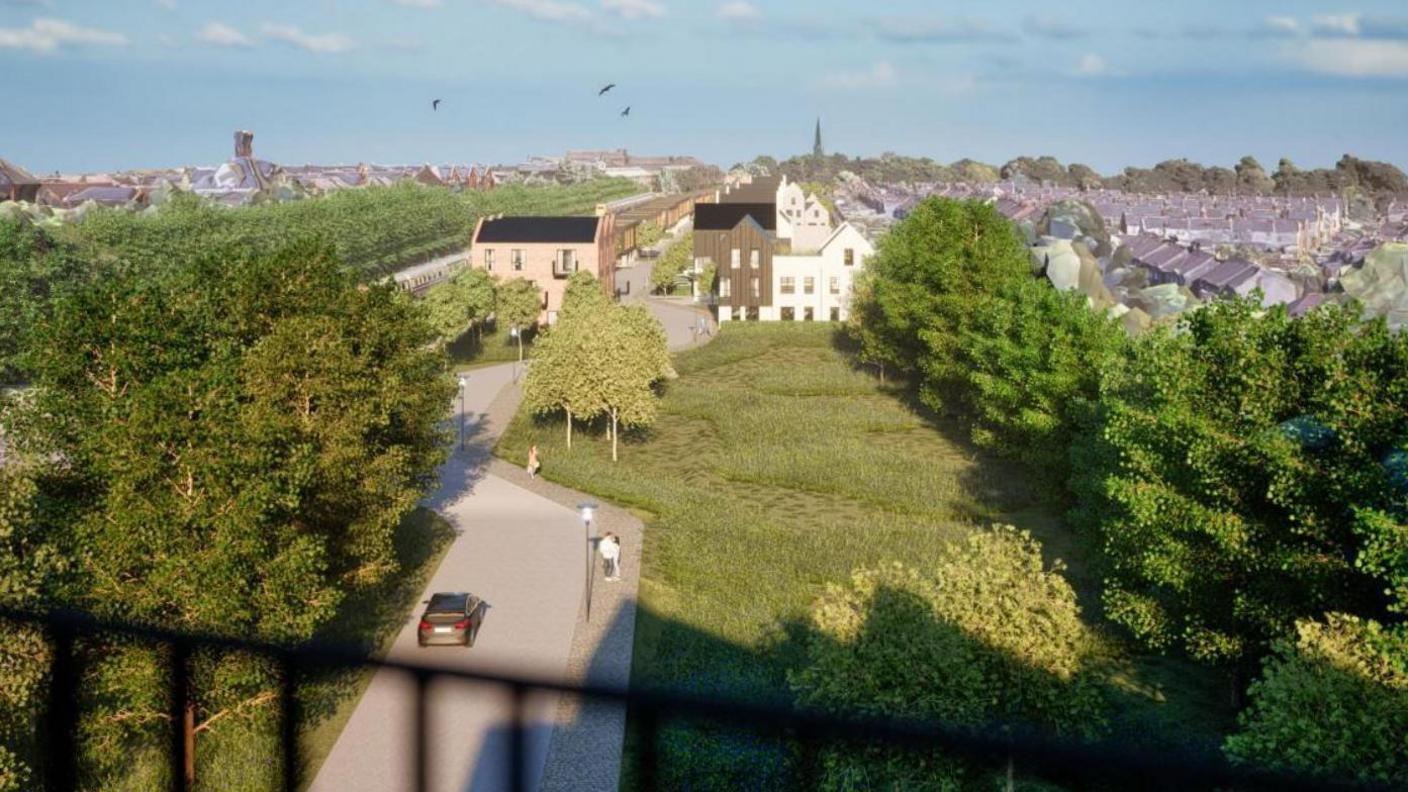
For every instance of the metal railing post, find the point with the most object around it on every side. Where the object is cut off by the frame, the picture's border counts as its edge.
(648, 747)
(288, 720)
(180, 704)
(518, 742)
(421, 753)
(61, 737)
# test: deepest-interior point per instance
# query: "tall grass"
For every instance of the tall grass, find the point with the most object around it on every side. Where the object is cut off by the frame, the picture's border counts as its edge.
(775, 468)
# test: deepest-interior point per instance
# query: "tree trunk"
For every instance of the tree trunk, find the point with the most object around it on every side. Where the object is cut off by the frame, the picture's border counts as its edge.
(188, 733)
(613, 435)
(569, 429)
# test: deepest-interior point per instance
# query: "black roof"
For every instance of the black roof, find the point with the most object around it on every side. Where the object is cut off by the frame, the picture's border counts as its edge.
(724, 216)
(539, 229)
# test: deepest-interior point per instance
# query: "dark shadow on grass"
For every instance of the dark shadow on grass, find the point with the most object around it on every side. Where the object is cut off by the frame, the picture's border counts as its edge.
(698, 755)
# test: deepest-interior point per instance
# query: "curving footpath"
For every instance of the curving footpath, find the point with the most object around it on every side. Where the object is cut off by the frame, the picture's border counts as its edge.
(520, 545)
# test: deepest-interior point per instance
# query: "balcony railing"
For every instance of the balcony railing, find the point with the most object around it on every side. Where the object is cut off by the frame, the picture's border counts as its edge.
(1110, 765)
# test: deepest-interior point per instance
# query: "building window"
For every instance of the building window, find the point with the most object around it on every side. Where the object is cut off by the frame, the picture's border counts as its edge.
(756, 287)
(724, 290)
(565, 264)
(488, 258)
(850, 257)
(735, 258)
(753, 258)
(516, 256)
(751, 313)
(789, 284)
(835, 314)
(834, 285)
(809, 285)
(807, 314)
(789, 314)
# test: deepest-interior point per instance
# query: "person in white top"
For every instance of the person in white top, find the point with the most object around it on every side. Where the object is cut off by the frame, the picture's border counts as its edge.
(610, 548)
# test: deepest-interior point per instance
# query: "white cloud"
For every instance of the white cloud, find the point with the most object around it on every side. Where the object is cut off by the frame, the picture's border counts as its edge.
(1052, 27)
(550, 10)
(222, 35)
(739, 11)
(635, 9)
(324, 43)
(1355, 58)
(937, 30)
(47, 35)
(1282, 25)
(1092, 65)
(877, 76)
(1337, 24)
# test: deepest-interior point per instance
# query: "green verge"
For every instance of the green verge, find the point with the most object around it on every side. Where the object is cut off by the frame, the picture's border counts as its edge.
(776, 467)
(472, 350)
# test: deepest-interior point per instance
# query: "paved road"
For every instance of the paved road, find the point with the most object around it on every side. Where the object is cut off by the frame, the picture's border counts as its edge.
(679, 316)
(524, 554)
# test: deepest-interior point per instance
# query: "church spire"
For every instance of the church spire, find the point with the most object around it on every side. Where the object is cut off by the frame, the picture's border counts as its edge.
(817, 150)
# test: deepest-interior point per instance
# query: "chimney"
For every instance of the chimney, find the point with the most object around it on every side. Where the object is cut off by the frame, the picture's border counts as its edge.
(244, 143)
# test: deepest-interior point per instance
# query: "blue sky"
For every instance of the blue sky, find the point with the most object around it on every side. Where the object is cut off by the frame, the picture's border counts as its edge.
(96, 84)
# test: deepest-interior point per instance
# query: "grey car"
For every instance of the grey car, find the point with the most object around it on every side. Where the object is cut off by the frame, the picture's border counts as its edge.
(451, 618)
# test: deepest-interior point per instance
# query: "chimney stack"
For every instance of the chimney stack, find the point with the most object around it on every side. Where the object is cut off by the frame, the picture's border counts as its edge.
(244, 143)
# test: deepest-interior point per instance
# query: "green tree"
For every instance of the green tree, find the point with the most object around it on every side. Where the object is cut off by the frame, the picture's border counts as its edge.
(926, 281)
(241, 436)
(564, 374)
(670, 266)
(1229, 473)
(519, 304)
(1332, 700)
(704, 284)
(465, 301)
(648, 233)
(584, 293)
(636, 356)
(985, 634)
(1033, 358)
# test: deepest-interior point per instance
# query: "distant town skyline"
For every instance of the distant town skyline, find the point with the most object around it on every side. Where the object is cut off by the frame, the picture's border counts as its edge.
(156, 83)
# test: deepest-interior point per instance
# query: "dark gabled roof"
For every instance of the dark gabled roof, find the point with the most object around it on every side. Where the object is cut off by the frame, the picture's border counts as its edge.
(725, 216)
(539, 229)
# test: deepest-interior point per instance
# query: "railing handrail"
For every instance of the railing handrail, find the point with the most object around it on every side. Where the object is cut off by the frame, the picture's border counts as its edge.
(1030, 749)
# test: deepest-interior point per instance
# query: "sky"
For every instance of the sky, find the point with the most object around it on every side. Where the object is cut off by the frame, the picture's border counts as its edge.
(115, 84)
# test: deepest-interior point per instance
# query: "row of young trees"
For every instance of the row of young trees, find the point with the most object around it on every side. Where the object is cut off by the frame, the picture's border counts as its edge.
(599, 360)
(1244, 479)
(222, 440)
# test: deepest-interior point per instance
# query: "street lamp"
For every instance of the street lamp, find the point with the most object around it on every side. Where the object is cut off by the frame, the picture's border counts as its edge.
(464, 381)
(514, 333)
(588, 510)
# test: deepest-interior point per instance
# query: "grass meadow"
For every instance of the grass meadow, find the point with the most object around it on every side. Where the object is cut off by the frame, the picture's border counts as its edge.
(777, 467)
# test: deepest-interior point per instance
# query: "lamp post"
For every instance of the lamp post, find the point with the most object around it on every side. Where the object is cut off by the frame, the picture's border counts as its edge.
(515, 334)
(588, 510)
(464, 381)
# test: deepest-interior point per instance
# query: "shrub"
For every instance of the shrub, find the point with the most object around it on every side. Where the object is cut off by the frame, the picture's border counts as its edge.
(1333, 700)
(983, 635)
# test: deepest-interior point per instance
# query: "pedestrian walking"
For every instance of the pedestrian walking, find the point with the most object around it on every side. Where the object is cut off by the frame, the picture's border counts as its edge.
(610, 547)
(533, 464)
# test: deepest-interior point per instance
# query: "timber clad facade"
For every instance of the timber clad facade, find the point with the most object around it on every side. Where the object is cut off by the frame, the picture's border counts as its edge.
(738, 239)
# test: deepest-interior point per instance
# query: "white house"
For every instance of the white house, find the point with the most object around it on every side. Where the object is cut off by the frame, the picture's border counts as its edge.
(817, 286)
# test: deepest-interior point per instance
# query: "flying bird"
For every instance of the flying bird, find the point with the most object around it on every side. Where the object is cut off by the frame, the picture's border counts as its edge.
(608, 87)
(626, 112)
(435, 104)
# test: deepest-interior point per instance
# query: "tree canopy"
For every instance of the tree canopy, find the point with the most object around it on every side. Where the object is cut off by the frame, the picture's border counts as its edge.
(519, 304)
(239, 438)
(466, 300)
